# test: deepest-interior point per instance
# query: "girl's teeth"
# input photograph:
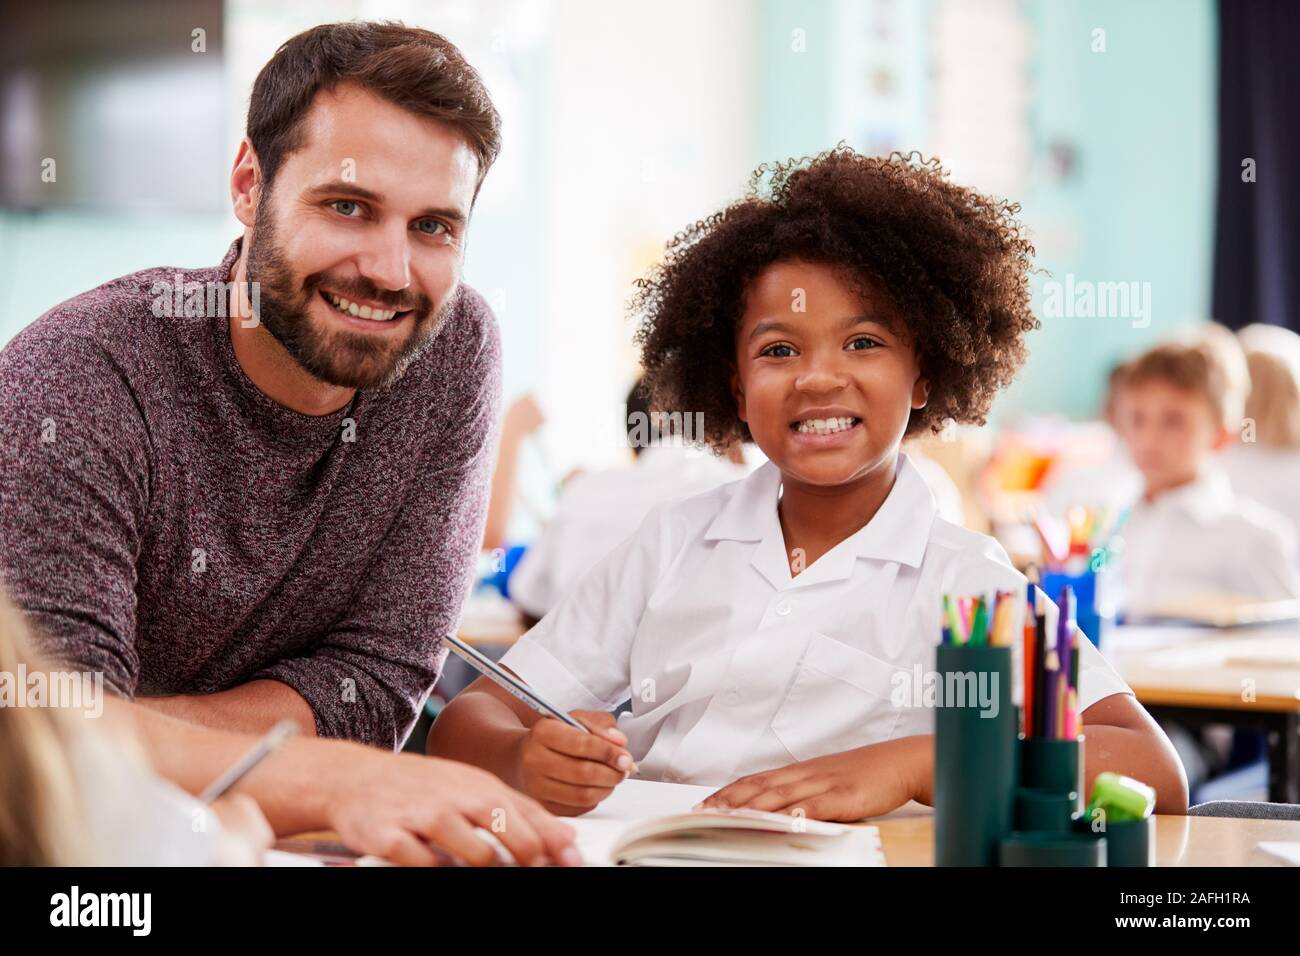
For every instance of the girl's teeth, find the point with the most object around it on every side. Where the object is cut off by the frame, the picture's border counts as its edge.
(825, 426)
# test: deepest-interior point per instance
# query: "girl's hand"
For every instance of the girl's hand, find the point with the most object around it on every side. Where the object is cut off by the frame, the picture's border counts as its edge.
(569, 772)
(852, 785)
(245, 834)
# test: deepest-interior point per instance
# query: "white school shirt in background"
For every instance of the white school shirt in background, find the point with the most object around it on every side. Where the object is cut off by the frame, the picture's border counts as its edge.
(598, 509)
(1201, 539)
(732, 665)
(1267, 476)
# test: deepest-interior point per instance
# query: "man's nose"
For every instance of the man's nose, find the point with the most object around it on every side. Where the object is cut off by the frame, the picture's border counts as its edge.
(386, 260)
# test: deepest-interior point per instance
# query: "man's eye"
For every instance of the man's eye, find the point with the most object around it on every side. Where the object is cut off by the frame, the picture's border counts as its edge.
(778, 350)
(345, 207)
(431, 227)
(863, 343)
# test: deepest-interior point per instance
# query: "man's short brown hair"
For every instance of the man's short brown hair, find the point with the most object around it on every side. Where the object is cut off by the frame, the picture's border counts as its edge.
(412, 68)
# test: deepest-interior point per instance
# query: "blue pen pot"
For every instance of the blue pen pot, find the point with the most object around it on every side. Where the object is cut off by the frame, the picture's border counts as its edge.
(1094, 611)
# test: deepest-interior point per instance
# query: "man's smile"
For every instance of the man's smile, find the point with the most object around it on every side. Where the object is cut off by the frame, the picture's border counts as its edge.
(367, 315)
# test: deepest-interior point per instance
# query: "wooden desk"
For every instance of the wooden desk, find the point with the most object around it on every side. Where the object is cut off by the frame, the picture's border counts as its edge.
(1245, 676)
(908, 840)
(489, 620)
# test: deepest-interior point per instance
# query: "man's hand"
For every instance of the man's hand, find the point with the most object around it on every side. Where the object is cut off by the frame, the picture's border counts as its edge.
(406, 808)
(852, 785)
(568, 770)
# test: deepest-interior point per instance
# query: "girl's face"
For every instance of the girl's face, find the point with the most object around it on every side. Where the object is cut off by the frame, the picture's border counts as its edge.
(824, 379)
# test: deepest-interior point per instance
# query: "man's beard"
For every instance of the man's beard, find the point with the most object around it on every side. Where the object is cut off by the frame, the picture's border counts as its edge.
(337, 356)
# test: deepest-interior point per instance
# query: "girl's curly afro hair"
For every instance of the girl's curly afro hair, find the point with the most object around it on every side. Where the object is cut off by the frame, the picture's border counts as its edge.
(954, 263)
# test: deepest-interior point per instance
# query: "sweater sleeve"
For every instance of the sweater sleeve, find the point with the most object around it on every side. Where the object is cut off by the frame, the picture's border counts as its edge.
(369, 676)
(74, 480)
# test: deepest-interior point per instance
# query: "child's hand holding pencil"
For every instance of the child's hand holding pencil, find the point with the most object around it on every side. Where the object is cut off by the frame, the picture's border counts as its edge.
(570, 771)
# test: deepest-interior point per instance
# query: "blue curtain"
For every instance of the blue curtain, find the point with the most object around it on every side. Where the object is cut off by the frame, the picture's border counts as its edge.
(1257, 235)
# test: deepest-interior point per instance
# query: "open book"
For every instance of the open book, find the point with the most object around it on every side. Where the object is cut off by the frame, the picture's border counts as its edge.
(651, 824)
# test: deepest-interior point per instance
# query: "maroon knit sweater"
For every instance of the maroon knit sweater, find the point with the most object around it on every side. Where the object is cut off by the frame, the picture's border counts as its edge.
(166, 523)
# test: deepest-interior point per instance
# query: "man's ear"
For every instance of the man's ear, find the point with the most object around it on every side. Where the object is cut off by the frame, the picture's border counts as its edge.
(920, 392)
(738, 393)
(246, 184)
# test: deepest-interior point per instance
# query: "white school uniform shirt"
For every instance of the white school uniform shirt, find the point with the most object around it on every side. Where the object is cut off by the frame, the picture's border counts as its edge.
(598, 509)
(732, 665)
(1268, 476)
(1201, 539)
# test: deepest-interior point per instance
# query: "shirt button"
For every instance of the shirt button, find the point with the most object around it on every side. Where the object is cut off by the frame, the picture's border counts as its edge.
(783, 608)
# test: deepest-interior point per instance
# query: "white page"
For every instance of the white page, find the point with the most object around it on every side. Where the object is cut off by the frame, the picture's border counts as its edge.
(637, 799)
(599, 829)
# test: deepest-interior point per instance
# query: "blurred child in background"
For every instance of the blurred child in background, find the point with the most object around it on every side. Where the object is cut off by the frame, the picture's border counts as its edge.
(1264, 464)
(1189, 536)
(598, 509)
(1108, 481)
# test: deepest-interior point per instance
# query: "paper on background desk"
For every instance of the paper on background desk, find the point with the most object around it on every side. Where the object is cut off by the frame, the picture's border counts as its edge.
(1283, 850)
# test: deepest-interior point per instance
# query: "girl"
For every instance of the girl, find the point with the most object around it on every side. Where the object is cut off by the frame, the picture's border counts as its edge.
(761, 630)
(74, 793)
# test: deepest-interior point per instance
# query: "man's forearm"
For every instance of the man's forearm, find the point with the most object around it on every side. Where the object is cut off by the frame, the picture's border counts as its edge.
(251, 708)
(292, 786)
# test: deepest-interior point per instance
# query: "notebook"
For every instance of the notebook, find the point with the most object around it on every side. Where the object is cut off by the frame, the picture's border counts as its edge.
(649, 823)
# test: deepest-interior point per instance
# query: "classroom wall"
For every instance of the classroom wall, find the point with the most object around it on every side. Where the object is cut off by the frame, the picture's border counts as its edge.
(595, 176)
(1135, 125)
(1143, 118)
(49, 256)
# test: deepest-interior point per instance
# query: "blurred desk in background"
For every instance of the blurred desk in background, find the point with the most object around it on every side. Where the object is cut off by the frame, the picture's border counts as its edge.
(1246, 677)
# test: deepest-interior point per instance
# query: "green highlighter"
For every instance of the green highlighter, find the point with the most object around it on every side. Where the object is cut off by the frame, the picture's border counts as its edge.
(1121, 798)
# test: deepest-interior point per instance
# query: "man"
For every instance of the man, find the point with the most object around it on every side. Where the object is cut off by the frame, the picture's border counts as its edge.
(265, 502)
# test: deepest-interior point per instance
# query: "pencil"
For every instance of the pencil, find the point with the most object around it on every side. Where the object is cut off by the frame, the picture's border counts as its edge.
(1028, 664)
(509, 683)
(259, 752)
(1041, 701)
(954, 625)
(979, 622)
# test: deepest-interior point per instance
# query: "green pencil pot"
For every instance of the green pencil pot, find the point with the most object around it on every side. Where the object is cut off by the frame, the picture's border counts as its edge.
(1045, 811)
(1128, 842)
(1055, 766)
(975, 754)
(1052, 849)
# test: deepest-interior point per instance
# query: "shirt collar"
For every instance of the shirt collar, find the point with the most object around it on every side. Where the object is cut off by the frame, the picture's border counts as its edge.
(899, 531)
(1204, 498)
